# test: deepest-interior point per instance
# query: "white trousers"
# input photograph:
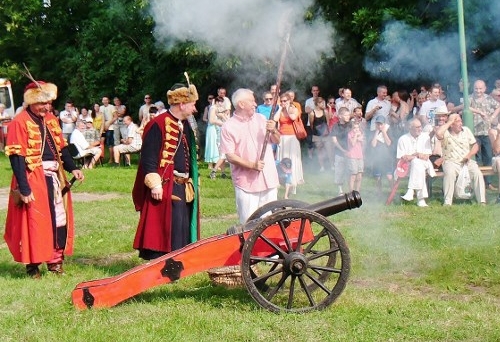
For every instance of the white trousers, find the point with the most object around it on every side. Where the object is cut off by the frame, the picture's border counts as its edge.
(416, 178)
(248, 202)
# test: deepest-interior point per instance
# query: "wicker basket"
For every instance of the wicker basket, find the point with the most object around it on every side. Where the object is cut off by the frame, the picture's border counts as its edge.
(227, 276)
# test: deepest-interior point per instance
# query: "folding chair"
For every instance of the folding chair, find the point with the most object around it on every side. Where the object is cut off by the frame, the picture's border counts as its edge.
(73, 150)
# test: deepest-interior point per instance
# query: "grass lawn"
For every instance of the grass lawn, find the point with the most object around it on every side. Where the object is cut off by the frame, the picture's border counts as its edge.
(418, 274)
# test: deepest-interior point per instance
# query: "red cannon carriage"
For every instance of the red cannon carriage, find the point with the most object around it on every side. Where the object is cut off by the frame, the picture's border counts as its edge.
(292, 258)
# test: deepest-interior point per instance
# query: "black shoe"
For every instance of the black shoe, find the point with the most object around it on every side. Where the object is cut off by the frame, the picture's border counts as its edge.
(115, 164)
(212, 174)
(498, 200)
(33, 271)
(224, 176)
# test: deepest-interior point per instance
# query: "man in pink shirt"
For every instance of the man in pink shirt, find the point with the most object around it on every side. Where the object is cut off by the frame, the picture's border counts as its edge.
(242, 137)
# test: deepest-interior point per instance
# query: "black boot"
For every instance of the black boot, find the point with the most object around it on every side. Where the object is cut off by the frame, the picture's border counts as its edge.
(33, 271)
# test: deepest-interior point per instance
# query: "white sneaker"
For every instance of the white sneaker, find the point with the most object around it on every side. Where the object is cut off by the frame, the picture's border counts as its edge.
(408, 196)
(421, 203)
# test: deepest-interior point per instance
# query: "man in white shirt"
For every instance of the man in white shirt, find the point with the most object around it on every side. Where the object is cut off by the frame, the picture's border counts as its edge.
(414, 148)
(68, 117)
(132, 144)
(83, 146)
(428, 110)
(378, 106)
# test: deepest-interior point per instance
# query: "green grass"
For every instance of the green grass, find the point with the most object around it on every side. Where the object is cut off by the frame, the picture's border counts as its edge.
(418, 274)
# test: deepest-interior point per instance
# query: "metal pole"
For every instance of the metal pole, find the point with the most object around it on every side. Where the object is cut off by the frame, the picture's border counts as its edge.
(467, 114)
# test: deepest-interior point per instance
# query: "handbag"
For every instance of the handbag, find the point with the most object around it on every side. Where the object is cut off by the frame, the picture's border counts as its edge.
(299, 129)
(463, 187)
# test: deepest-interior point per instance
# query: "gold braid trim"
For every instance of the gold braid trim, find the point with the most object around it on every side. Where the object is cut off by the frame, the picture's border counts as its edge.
(172, 129)
(12, 149)
(152, 180)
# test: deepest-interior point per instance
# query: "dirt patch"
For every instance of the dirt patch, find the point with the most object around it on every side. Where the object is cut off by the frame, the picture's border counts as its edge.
(77, 197)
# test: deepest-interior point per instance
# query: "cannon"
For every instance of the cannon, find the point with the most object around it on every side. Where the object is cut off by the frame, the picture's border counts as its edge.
(292, 259)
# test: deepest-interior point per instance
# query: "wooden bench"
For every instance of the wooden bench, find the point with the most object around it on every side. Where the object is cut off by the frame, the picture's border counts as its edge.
(486, 171)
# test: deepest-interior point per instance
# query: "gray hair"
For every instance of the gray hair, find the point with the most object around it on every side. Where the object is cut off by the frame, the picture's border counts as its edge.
(238, 95)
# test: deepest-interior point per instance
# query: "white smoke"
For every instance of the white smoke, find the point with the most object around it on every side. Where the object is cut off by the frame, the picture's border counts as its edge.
(405, 53)
(254, 31)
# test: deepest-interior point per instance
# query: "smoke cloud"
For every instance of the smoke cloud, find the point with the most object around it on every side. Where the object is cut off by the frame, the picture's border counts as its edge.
(254, 31)
(405, 54)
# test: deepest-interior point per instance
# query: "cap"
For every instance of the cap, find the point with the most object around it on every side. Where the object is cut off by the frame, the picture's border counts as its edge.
(380, 119)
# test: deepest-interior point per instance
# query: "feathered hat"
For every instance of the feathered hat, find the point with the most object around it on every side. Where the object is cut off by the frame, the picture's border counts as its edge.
(38, 91)
(181, 93)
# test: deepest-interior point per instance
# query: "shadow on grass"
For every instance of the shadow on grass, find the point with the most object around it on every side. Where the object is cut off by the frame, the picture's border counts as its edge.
(112, 264)
(13, 270)
(202, 292)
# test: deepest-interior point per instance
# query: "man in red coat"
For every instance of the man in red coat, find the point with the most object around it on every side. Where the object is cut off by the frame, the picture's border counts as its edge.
(166, 186)
(39, 225)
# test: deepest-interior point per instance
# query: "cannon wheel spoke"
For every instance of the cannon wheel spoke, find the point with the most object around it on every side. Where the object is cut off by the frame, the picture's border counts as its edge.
(303, 268)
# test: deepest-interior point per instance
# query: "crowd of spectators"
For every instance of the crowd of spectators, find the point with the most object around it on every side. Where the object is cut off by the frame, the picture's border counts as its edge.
(347, 139)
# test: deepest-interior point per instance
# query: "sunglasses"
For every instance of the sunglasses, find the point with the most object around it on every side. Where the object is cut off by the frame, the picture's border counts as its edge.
(268, 98)
(147, 98)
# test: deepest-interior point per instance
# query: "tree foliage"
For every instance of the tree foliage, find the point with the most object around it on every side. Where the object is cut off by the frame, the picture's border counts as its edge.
(92, 48)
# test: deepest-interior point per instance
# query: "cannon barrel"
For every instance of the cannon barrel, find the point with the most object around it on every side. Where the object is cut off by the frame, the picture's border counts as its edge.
(326, 208)
(337, 204)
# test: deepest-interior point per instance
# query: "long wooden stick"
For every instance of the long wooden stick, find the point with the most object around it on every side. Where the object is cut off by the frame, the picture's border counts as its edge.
(277, 94)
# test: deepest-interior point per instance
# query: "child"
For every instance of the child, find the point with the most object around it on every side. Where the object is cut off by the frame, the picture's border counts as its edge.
(339, 138)
(355, 162)
(285, 174)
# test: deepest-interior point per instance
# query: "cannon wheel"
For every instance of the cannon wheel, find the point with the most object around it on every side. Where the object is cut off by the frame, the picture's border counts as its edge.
(308, 277)
(275, 206)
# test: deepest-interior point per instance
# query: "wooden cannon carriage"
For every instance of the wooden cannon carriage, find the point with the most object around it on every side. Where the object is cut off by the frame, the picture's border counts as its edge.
(292, 258)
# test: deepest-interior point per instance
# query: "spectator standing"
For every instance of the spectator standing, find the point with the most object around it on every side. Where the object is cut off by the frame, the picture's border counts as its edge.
(68, 117)
(289, 146)
(427, 112)
(266, 107)
(144, 109)
(84, 114)
(255, 181)
(319, 123)
(378, 106)
(39, 226)
(212, 140)
(356, 142)
(339, 137)
(308, 108)
(347, 101)
(166, 186)
(383, 163)
(109, 114)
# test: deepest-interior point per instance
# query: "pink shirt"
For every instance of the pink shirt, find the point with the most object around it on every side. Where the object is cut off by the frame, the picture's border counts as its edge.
(354, 151)
(245, 137)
